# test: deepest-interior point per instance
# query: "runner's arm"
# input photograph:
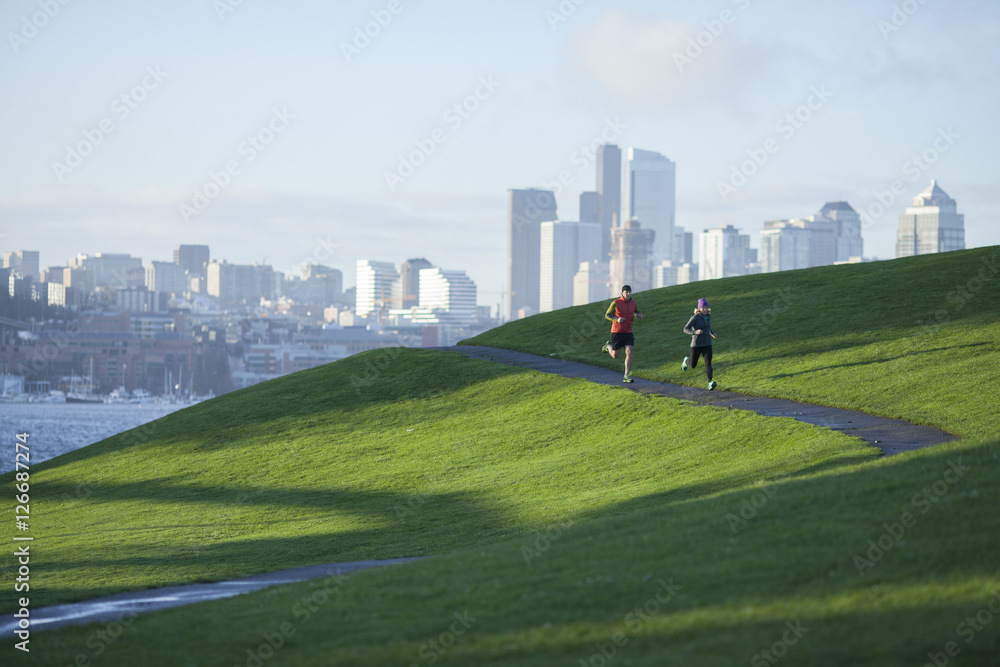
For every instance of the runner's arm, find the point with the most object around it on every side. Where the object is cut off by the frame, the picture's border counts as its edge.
(609, 314)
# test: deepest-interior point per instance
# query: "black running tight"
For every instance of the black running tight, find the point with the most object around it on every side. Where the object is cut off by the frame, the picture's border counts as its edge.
(702, 352)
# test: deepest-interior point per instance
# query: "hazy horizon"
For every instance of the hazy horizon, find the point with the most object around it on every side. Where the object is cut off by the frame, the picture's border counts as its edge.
(282, 128)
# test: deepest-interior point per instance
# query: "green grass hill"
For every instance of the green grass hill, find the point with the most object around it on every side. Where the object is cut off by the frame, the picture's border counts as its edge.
(569, 523)
(914, 339)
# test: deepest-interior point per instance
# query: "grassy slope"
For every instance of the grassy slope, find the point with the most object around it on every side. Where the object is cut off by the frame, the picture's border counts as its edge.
(739, 584)
(244, 484)
(916, 339)
(390, 453)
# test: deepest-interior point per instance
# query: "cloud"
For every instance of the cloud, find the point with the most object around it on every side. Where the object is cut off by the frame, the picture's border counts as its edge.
(658, 63)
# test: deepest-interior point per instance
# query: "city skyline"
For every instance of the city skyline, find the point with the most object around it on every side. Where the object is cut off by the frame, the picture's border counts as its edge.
(277, 135)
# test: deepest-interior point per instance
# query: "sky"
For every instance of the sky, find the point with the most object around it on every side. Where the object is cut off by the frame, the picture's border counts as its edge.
(307, 131)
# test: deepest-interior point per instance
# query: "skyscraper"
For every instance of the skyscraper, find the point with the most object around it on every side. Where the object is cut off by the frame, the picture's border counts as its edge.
(563, 246)
(650, 187)
(847, 229)
(590, 207)
(832, 235)
(373, 283)
(930, 224)
(409, 281)
(724, 252)
(23, 261)
(446, 297)
(526, 211)
(194, 258)
(609, 190)
(630, 257)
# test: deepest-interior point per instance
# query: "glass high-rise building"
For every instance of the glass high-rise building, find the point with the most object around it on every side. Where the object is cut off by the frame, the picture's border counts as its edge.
(609, 191)
(564, 245)
(373, 286)
(650, 187)
(930, 224)
(724, 252)
(526, 211)
(446, 297)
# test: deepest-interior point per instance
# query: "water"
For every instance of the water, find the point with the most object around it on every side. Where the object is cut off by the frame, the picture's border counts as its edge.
(57, 428)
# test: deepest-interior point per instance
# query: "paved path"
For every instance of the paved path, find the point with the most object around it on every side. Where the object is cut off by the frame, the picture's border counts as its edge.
(125, 605)
(892, 436)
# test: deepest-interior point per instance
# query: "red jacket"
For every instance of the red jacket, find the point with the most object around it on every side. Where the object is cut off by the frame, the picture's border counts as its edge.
(624, 309)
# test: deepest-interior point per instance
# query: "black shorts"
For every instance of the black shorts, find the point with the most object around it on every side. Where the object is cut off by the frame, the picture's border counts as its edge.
(620, 340)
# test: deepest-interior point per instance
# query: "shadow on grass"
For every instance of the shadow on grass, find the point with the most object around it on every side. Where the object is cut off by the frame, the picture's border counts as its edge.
(881, 360)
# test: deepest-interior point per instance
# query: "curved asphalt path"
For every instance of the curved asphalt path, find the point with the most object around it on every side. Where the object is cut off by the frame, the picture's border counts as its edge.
(117, 607)
(892, 436)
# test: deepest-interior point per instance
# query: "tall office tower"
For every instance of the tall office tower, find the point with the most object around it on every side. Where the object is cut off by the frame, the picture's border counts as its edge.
(785, 245)
(526, 211)
(832, 235)
(563, 246)
(683, 246)
(930, 224)
(590, 207)
(446, 297)
(166, 277)
(244, 284)
(194, 259)
(409, 281)
(24, 262)
(846, 225)
(118, 270)
(650, 189)
(373, 283)
(724, 252)
(609, 190)
(630, 257)
(591, 282)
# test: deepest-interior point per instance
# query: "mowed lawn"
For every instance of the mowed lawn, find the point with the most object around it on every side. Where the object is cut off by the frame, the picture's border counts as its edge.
(916, 339)
(386, 454)
(568, 523)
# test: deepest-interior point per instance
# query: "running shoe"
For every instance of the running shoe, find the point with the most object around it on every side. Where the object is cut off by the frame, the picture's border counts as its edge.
(627, 378)
(604, 348)
(712, 385)
(684, 364)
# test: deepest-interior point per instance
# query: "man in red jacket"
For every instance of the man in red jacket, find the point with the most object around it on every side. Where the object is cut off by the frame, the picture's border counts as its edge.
(621, 312)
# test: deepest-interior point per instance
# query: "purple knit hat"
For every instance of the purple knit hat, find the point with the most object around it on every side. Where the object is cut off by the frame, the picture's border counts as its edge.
(702, 303)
